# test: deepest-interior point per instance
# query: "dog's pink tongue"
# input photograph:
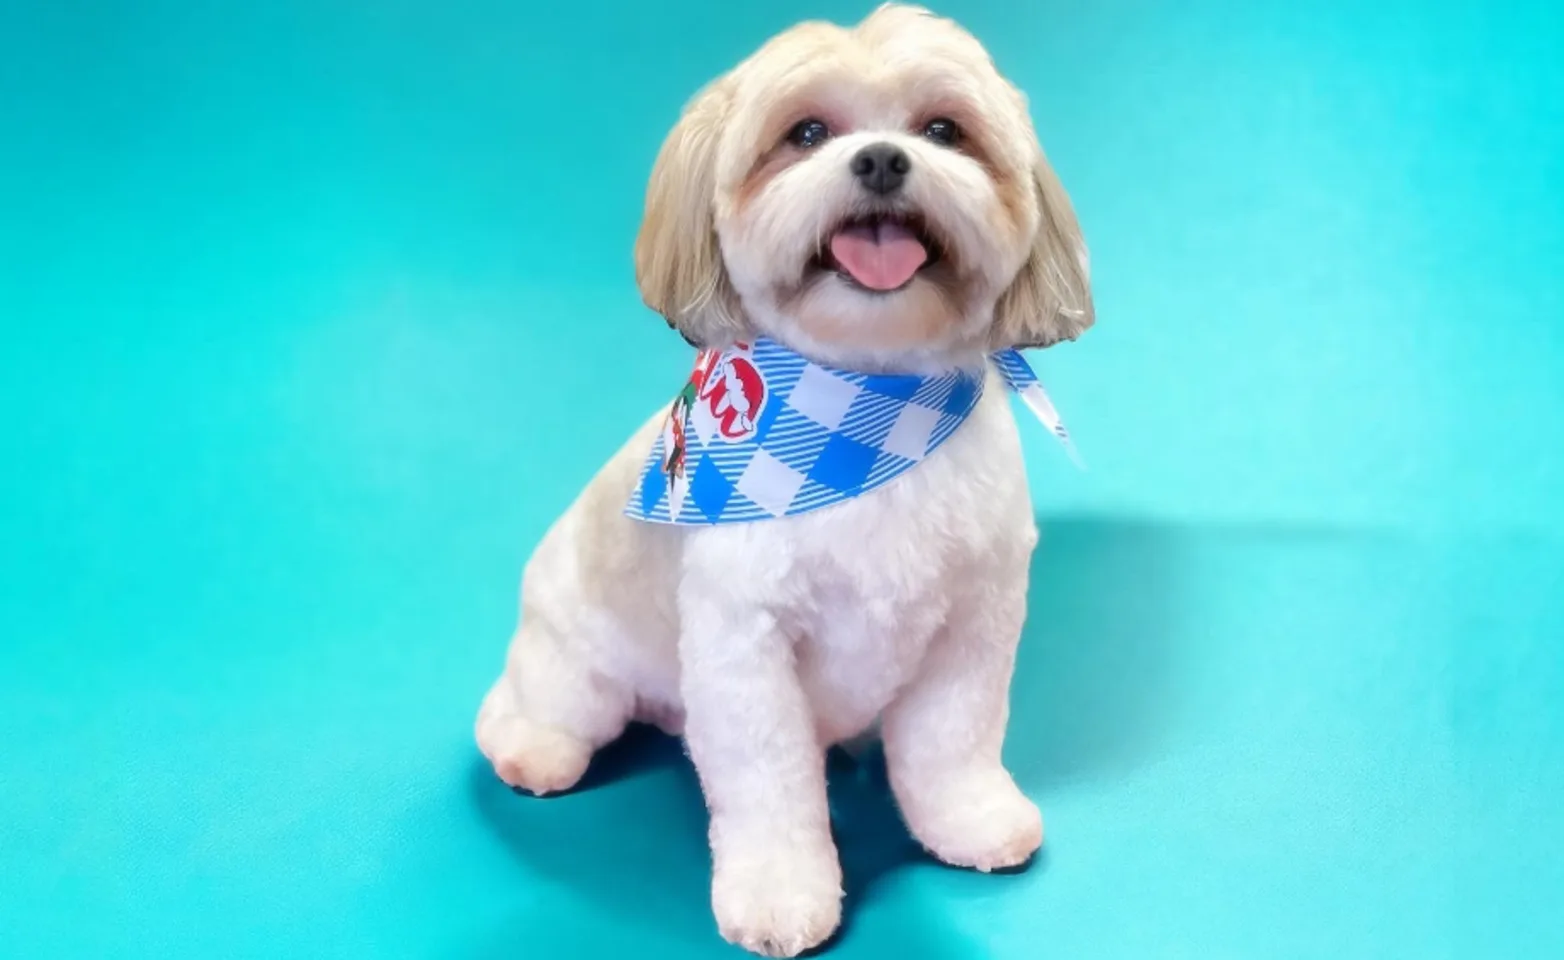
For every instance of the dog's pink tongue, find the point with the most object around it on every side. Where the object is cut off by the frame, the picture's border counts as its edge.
(881, 257)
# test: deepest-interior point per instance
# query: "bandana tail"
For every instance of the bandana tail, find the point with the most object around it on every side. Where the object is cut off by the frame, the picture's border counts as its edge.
(1023, 380)
(1036, 398)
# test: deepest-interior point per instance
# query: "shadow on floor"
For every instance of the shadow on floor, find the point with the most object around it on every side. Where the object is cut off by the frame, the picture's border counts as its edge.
(1091, 690)
(1096, 674)
(632, 837)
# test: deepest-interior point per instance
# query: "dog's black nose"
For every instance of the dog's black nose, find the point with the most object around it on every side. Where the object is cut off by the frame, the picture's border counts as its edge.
(881, 167)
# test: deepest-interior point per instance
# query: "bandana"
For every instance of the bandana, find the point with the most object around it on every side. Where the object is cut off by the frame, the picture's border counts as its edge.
(760, 432)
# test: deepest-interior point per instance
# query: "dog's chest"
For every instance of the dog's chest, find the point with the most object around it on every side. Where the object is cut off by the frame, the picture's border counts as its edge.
(861, 635)
(862, 589)
(875, 580)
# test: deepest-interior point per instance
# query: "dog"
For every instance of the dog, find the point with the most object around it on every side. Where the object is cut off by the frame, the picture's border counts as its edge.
(874, 198)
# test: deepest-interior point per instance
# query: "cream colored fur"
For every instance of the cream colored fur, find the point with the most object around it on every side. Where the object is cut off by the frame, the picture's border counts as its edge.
(763, 644)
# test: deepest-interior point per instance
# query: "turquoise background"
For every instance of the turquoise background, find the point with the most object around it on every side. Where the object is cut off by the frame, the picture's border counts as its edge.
(307, 309)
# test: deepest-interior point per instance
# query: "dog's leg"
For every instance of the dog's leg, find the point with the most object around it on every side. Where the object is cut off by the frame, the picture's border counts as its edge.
(548, 712)
(944, 733)
(776, 883)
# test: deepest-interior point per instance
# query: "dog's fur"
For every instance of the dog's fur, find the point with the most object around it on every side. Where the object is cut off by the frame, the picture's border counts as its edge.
(765, 643)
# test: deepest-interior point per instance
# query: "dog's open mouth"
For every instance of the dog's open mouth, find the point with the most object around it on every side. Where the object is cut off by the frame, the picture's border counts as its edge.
(880, 253)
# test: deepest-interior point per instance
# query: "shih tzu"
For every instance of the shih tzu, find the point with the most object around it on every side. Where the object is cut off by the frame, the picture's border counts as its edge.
(829, 534)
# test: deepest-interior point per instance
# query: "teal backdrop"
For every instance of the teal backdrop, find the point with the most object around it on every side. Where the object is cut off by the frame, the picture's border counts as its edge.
(315, 314)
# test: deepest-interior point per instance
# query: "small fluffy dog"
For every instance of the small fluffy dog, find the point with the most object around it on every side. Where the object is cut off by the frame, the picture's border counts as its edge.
(874, 198)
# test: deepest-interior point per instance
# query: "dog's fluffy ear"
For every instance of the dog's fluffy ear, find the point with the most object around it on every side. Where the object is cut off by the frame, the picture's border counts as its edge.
(678, 261)
(1050, 299)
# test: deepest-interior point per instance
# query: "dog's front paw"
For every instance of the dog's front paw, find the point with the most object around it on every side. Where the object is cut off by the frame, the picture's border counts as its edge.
(981, 822)
(780, 904)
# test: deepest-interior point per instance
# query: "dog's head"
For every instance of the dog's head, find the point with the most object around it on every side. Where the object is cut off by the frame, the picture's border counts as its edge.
(873, 195)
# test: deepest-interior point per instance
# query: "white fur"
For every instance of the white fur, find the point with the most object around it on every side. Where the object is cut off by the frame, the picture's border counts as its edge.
(765, 643)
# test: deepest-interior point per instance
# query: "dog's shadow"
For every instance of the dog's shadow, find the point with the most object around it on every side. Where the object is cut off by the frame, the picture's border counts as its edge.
(1092, 690)
(1096, 678)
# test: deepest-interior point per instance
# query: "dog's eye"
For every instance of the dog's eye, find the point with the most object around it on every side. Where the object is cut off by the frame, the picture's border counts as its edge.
(808, 133)
(942, 130)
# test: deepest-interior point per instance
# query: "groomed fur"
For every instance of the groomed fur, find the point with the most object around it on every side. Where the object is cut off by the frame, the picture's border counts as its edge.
(763, 644)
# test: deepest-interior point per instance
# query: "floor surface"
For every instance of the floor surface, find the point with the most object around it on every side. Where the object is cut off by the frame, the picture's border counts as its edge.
(308, 311)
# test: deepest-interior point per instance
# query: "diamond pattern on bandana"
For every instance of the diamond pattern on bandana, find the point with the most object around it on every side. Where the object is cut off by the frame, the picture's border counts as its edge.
(823, 397)
(709, 489)
(795, 439)
(654, 486)
(843, 465)
(959, 398)
(897, 386)
(770, 483)
(822, 436)
(872, 418)
(910, 436)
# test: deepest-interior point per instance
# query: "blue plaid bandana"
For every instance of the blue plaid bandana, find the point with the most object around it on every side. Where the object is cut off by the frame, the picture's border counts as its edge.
(760, 432)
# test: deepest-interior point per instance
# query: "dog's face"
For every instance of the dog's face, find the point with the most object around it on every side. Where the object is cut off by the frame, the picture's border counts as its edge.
(874, 196)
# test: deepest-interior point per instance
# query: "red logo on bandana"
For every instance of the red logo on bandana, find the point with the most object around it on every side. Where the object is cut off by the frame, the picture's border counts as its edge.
(733, 391)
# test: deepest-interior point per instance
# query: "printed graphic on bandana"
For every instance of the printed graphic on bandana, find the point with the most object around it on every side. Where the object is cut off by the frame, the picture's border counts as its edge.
(675, 444)
(730, 393)
(721, 402)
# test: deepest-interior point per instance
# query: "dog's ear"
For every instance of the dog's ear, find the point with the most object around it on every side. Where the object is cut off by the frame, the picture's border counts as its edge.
(678, 262)
(1050, 299)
